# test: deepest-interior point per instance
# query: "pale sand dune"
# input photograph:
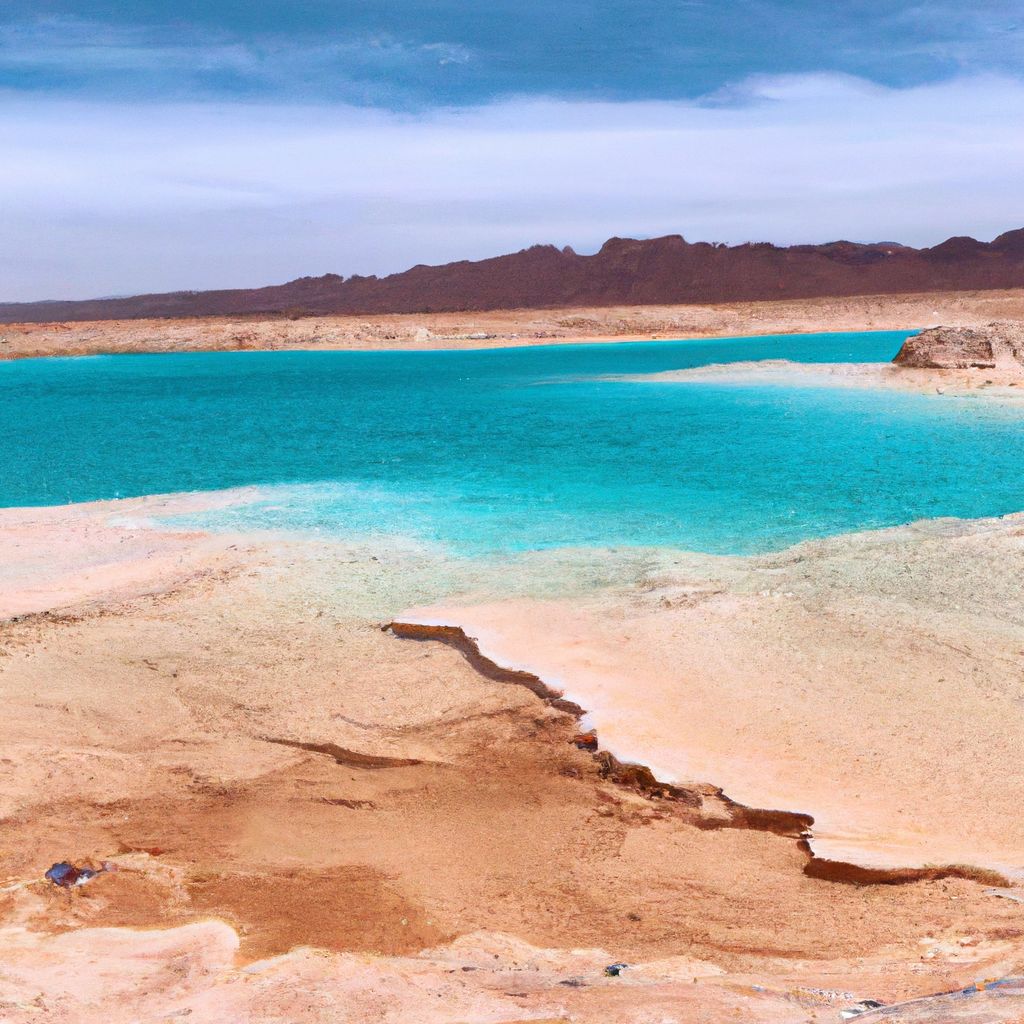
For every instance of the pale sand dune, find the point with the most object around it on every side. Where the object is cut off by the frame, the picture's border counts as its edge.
(872, 681)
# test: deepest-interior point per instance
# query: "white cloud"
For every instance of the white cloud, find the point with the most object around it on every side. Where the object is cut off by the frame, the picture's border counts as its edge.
(102, 198)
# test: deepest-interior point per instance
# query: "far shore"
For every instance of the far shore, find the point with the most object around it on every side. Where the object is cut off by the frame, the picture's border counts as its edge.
(502, 328)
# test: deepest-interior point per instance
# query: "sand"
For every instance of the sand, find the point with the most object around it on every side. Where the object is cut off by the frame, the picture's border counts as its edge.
(514, 327)
(315, 820)
(872, 681)
(1005, 385)
(192, 972)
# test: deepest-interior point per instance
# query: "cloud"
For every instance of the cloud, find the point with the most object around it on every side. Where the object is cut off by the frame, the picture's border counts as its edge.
(415, 54)
(103, 198)
(69, 56)
(989, 33)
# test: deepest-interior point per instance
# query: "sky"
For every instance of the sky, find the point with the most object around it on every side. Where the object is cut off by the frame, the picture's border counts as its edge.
(152, 145)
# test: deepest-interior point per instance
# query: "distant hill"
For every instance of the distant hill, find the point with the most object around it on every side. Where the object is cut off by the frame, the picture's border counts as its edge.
(625, 272)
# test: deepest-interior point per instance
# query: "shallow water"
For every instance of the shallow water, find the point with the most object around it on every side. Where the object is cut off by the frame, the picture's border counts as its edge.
(512, 449)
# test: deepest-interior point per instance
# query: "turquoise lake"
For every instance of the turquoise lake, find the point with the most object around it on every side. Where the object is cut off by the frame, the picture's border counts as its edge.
(512, 449)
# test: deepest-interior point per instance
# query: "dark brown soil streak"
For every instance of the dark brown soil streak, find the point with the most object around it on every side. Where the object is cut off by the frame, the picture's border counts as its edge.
(343, 756)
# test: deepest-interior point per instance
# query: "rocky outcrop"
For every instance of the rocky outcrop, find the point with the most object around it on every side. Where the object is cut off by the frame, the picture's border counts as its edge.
(996, 346)
(625, 271)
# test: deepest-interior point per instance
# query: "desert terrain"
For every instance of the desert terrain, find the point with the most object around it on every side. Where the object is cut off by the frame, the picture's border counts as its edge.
(310, 817)
(512, 327)
(327, 780)
(634, 271)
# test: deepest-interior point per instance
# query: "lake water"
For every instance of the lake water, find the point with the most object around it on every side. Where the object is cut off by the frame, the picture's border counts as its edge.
(511, 449)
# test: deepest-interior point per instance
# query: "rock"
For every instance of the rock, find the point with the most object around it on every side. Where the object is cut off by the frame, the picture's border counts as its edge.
(996, 346)
(625, 271)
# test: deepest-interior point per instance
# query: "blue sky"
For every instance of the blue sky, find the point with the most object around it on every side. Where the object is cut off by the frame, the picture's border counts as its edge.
(410, 53)
(152, 145)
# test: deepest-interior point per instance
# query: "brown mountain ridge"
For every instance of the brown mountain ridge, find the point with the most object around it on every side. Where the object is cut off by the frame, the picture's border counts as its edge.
(624, 271)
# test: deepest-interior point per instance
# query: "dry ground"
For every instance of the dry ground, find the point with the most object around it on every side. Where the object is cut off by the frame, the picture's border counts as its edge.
(239, 736)
(513, 327)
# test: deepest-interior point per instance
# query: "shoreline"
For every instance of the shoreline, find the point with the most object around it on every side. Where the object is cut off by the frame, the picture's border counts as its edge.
(607, 643)
(499, 344)
(1005, 384)
(236, 681)
(512, 328)
(497, 619)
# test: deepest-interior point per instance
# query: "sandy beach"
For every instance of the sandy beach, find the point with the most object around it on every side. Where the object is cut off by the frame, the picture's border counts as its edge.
(991, 383)
(172, 697)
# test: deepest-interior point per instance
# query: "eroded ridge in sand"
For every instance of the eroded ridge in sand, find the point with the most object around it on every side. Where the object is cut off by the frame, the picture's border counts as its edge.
(712, 807)
(870, 681)
(281, 785)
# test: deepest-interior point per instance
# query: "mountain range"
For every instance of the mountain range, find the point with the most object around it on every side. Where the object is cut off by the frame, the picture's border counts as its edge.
(624, 271)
